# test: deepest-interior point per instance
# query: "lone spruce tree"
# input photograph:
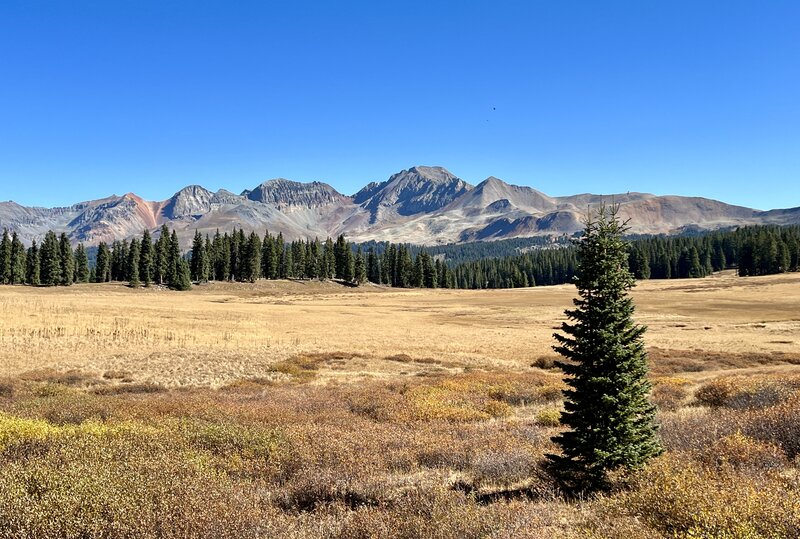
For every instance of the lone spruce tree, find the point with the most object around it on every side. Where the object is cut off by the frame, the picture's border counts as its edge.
(610, 422)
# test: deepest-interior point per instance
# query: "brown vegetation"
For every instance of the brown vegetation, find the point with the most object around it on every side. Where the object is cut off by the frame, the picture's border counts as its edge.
(398, 434)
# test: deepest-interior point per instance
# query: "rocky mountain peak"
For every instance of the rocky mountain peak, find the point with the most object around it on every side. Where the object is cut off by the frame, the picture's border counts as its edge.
(285, 193)
(422, 204)
(416, 190)
(191, 200)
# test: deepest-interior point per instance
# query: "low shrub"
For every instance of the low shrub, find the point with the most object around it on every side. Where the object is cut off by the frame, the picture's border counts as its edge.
(548, 417)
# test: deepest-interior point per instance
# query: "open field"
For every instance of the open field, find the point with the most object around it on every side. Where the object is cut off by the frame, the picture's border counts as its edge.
(304, 410)
(223, 332)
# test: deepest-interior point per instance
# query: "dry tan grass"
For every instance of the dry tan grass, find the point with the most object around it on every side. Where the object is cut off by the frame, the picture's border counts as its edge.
(341, 413)
(219, 333)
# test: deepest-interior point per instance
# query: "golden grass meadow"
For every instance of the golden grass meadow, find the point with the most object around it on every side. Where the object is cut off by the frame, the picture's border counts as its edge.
(308, 409)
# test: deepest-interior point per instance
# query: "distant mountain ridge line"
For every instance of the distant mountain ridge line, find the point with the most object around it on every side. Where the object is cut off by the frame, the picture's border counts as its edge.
(421, 205)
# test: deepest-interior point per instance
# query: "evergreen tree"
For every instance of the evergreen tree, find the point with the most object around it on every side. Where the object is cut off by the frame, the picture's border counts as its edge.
(32, 265)
(146, 259)
(340, 257)
(198, 264)
(173, 262)
(269, 258)
(102, 270)
(134, 254)
(66, 260)
(221, 256)
(430, 276)
(287, 263)
(208, 270)
(182, 276)
(386, 266)
(252, 261)
(609, 420)
(17, 275)
(330, 260)
(418, 275)
(282, 269)
(349, 264)
(50, 260)
(373, 267)
(639, 263)
(5, 258)
(161, 256)
(81, 264)
(360, 267)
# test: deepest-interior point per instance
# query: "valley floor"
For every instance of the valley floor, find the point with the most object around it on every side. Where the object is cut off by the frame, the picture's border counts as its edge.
(307, 409)
(222, 332)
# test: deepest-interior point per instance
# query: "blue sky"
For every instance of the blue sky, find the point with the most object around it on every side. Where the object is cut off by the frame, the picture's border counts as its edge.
(693, 98)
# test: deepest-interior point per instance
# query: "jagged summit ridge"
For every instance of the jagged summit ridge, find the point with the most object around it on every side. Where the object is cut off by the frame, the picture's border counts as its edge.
(421, 204)
(418, 189)
(285, 193)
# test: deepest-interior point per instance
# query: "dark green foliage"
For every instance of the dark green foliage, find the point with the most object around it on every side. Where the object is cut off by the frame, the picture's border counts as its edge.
(119, 261)
(766, 250)
(360, 267)
(221, 257)
(50, 260)
(639, 263)
(373, 267)
(134, 254)
(329, 255)
(5, 258)
(609, 419)
(18, 261)
(102, 269)
(349, 264)
(251, 263)
(340, 250)
(66, 260)
(199, 261)
(146, 259)
(269, 258)
(757, 250)
(32, 267)
(161, 257)
(208, 268)
(430, 276)
(173, 262)
(182, 277)
(417, 277)
(81, 264)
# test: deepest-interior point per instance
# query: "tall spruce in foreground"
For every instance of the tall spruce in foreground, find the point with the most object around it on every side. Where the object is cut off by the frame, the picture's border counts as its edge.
(609, 420)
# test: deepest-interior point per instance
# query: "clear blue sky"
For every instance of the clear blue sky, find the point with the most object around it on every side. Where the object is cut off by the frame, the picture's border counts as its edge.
(671, 97)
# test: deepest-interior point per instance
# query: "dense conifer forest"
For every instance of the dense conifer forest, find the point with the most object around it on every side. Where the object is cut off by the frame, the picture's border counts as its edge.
(752, 250)
(246, 257)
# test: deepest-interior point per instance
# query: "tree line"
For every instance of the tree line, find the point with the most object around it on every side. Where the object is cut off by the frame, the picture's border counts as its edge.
(752, 250)
(51, 263)
(247, 257)
(224, 257)
(238, 256)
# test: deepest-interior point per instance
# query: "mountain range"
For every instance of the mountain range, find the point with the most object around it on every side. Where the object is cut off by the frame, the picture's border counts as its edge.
(422, 205)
